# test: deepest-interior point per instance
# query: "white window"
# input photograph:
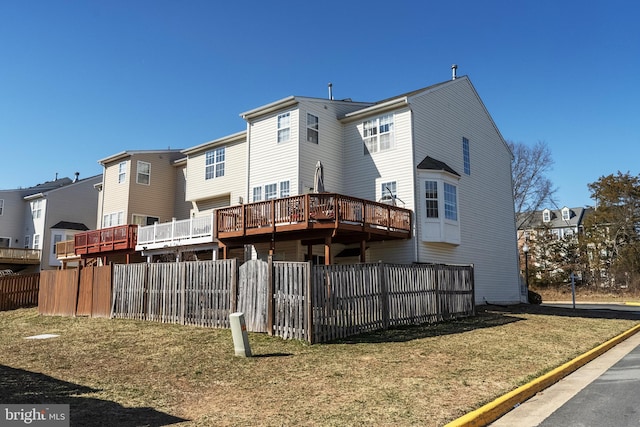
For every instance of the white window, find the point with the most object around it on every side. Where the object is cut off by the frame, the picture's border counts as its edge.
(431, 197)
(284, 127)
(36, 208)
(312, 128)
(113, 219)
(57, 238)
(270, 191)
(450, 202)
(257, 194)
(284, 189)
(465, 156)
(378, 134)
(27, 242)
(122, 172)
(546, 215)
(388, 191)
(1, 206)
(214, 163)
(144, 173)
(36, 241)
(566, 214)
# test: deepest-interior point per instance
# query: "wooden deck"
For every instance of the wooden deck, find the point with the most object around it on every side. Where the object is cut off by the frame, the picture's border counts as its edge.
(112, 239)
(19, 256)
(311, 217)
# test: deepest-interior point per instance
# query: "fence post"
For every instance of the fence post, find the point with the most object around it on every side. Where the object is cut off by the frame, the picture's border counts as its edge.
(270, 298)
(145, 291)
(233, 303)
(384, 295)
(183, 291)
(439, 311)
(473, 290)
(309, 303)
(78, 274)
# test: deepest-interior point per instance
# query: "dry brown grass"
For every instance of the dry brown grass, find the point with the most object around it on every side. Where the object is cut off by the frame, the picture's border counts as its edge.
(120, 372)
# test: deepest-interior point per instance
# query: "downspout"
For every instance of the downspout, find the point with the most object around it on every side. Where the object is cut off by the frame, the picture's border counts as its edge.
(416, 190)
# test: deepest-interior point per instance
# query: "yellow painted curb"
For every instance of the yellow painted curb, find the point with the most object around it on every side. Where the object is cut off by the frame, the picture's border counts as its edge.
(632, 303)
(494, 410)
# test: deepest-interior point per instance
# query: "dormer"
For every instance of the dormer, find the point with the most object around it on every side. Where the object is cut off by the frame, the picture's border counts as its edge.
(546, 215)
(566, 214)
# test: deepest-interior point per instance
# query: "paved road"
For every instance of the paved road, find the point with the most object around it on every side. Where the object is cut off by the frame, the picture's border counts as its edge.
(602, 393)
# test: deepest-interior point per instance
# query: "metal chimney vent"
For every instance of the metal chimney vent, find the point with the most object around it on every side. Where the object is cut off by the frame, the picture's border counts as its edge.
(454, 68)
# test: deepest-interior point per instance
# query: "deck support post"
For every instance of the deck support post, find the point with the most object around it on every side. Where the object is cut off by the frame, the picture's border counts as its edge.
(327, 250)
(363, 248)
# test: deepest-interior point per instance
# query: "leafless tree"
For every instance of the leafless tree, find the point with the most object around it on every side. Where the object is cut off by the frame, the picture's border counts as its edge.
(532, 189)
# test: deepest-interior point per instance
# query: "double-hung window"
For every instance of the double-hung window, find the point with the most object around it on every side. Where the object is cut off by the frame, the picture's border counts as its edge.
(431, 198)
(257, 194)
(1, 206)
(144, 173)
(214, 163)
(36, 209)
(388, 190)
(122, 172)
(312, 128)
(378, 134)
(284, 127)
(270, 191)
(450, 202)
(113, 219)
(36, 241)
(284, 189)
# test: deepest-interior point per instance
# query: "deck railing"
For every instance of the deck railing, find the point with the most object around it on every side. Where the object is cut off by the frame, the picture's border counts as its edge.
(326, 208)
(121, 237)
(65, 249)
(20, 256)
(176, 233)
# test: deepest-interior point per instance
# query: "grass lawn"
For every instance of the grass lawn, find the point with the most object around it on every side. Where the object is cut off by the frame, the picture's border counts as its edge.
(129, 373)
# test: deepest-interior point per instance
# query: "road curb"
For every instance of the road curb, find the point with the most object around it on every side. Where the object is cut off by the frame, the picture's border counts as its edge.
(494, 410)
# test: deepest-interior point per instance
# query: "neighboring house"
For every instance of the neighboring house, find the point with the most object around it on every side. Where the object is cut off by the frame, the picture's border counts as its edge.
(29, 217)
(550, 235)
(424, 177)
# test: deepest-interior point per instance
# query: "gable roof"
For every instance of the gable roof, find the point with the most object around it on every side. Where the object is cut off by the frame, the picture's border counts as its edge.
(532, 220)
(429, 163)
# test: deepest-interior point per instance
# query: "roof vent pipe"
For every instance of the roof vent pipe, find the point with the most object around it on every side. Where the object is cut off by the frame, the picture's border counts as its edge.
(454, 68)
(331, 91)
(77, 174)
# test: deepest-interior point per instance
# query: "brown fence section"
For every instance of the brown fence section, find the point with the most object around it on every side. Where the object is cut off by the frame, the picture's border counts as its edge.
(294, 300)
(81, 292)
(19, 291)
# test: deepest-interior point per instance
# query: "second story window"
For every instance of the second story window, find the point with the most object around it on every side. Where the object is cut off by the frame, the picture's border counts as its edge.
(36, 209)
(450, 202)
(257, 194)
(431, 197)
(284, 189)
(144, 173)
(388, 190)
(378, 134)
(465, 156)
(566, 214)
(214, 163)
(1, 206)
(546, 215)
(270, 191)
(113, 219)
(312, 128)
(284, 127)
(122, 172)
(36, 241)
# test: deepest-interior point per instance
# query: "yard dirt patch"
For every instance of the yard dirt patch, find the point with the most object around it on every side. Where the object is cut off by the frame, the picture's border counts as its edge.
(127, 373)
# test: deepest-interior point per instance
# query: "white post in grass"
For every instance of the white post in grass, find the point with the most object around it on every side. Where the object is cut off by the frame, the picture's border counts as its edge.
(239, 334)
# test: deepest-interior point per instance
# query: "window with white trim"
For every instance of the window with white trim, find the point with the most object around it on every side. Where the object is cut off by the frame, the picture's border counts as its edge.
(378, 134)
(566, 214)
(27, 242)
(388, 191)
(36, 241)
(431, 198)
(143, 173)
(214, 163)
(285, 190)
(546, 215)
(312, 128)
(466, 156)
(270, 191)
(1, 206)
(284, 127)
(36, 208)
(57, 238)
(450, 202)
(113, 219)
(122, 172)
(257, 194)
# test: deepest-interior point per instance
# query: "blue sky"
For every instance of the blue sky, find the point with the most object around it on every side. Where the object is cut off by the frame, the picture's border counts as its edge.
(82, 80)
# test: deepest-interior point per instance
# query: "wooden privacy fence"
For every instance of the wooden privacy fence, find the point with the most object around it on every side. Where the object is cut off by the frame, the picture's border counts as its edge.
(19, 291)
(76, 292)
(311, 303)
